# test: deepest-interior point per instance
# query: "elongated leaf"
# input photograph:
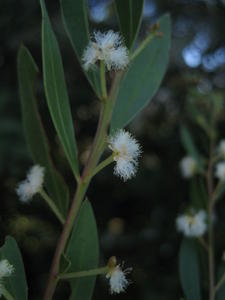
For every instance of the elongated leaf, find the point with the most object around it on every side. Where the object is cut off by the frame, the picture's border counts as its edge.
(75, 21)
(56, 92)
(189, 145)
(83, 251)
(220, 295)
(189, 270)
(143, 77)
(129, 13)
(198, 192)
(15, 284)
(34, 131)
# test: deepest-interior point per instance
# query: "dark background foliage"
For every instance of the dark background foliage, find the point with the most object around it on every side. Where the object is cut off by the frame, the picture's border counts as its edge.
(135, 219)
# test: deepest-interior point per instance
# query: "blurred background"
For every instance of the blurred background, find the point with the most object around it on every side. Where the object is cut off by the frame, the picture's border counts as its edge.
(135, 219)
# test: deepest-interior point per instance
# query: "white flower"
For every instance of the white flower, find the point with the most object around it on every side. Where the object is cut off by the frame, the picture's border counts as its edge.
(193, 224)
(126, 151)
(188, 166)
(32, 184)
(117, 279)
(220, 171)
(221, 148)
(106, 46)
(6, 269)
(90, 56)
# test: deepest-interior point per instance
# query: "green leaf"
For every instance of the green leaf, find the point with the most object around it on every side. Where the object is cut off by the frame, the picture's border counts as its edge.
(83, 252)
(143, 77)
(34, 131)
(220, 295)
(189, 146)
(198, 192)
(129, 13)
(56, 92)
(189, 269)
(75, 21)
(15, 284)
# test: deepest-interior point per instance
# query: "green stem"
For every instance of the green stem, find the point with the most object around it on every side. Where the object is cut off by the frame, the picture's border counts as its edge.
(52, 205)
(95, 153)
(142, 45)
(101, 166)
(92, 272)
(210, 226)
(203, 243)
(216, 192)
(220, 283)
(103, 80)
(6, 294)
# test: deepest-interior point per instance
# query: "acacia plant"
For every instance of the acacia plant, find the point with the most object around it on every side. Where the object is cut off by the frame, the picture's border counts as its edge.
(124, 72)
(202, 274)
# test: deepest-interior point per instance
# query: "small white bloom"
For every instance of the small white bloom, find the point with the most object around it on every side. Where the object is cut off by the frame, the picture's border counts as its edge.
(220, 171)
(221, 148)
(126, 151)
(6, 269)
(193, 224)
(106, 46)
(90, 56)
(188, 166)
(117, 279)
(32, 184)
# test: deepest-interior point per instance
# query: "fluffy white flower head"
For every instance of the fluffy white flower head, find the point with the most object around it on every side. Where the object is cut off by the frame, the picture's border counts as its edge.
(126, 151)
(32, 184)
(193, 224)
(188, 167)
(106, 46)
(117, 279)
(220, 171)
(221, 148)
(6, 269)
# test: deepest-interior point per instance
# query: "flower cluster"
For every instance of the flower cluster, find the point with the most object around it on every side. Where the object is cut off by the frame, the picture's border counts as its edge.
(220, 171)
(117, 280)
(193, 224)
(126, 151)
(117, 277)
(188, 167)
(107, 47)
(6, 270)
(32, 184)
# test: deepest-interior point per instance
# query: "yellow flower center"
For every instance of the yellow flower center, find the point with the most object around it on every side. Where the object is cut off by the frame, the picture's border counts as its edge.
(122, 153)
(191, 220)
